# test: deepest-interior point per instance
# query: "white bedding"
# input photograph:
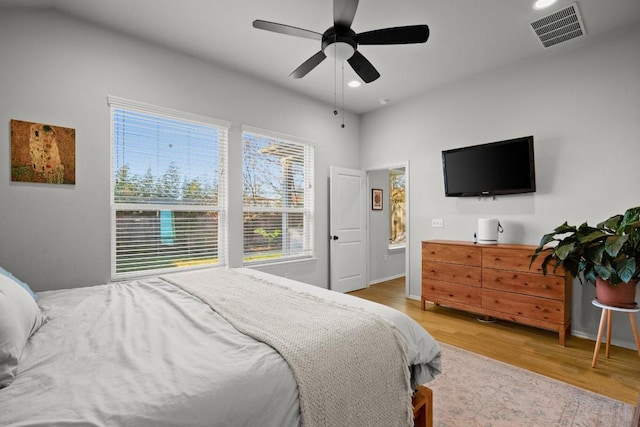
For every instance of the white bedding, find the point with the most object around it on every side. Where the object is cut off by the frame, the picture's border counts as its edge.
(146, 353)
(423, 351)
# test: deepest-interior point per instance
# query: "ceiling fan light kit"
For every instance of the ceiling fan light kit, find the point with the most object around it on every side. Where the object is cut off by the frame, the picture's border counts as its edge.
(340, 51)
(339, 46)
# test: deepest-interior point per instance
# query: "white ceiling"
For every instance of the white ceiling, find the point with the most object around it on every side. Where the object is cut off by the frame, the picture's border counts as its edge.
(467, 37)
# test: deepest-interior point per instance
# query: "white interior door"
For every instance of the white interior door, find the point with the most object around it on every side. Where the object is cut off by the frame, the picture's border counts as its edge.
(347, 229)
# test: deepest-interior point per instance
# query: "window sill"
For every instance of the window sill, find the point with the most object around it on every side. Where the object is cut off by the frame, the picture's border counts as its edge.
(280, 261)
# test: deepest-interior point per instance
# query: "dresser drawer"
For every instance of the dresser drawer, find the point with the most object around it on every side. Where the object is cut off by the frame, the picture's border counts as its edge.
(507, 259)
(440, 292)
(516, 259)
(454, 254)
(524, 283)
(523, 305)
(454, 273)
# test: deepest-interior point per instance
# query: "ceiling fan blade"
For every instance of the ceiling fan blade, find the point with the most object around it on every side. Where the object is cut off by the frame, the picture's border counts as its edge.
(363, 67)
(308, 65)
(395, 35)
(286, 29)
(343, 12)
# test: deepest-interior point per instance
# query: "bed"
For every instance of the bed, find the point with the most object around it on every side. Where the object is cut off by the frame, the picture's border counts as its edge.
(170, 351)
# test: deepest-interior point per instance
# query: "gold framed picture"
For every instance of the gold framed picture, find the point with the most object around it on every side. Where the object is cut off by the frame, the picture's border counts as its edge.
(42, 153)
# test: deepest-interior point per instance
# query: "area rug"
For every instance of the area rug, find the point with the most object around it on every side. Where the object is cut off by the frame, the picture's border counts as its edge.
(474, 390)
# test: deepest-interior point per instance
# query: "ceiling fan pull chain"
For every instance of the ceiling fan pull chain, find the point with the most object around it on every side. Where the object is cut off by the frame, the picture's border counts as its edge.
(335, 87)
(342, 107)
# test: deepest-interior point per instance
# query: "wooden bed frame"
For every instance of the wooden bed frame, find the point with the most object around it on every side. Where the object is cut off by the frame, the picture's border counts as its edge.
(423, 407)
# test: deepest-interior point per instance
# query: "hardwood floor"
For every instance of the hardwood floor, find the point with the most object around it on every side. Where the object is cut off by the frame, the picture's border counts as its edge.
(530, 348)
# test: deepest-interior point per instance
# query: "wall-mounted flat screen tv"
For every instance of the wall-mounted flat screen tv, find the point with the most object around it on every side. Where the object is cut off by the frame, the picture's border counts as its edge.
(503, 167)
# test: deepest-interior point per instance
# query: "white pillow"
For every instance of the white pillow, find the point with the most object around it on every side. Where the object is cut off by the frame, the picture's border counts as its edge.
(20, 282)
(20, 317)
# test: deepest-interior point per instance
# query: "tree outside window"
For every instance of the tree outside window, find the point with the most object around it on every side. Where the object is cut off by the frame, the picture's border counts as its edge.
(397, 213)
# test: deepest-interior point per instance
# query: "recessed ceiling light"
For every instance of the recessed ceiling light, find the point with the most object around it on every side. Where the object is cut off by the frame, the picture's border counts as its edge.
(542, 4)
(384, 101)
(354, 83)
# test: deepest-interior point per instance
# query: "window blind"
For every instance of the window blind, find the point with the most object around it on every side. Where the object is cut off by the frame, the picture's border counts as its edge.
(278, 203)
(168, 189)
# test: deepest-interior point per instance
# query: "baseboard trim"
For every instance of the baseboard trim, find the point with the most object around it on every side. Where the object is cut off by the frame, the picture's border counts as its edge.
(614, 341)
(386, 279)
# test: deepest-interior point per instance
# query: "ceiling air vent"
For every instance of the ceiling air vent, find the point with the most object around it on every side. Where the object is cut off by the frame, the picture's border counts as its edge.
(560, 26)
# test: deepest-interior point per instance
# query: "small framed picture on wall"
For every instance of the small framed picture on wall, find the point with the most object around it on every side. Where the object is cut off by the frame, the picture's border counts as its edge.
(376, 199)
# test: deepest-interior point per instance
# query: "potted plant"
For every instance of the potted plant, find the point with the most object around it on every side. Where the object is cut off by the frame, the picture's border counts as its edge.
(607, 255)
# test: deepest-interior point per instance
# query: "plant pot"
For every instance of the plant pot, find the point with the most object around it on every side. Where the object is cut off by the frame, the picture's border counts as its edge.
(621, 295)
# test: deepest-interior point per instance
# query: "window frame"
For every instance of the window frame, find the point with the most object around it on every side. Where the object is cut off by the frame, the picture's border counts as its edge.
(117, 103)
(308, 211)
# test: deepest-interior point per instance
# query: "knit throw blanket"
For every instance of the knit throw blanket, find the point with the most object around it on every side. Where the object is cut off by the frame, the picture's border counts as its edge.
(351, 366)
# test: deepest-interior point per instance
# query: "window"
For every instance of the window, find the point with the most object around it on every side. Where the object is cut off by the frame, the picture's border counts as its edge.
(277, 175)
(168, 204)
(397, 183)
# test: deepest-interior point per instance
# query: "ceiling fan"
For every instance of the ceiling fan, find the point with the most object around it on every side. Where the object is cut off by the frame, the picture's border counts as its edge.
(341, 42)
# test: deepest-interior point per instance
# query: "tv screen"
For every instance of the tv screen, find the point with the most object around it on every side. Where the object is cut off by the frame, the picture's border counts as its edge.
(503, 167)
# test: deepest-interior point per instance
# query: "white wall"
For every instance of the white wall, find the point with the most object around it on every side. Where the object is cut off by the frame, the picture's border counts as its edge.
(583, 107)
(58, 70)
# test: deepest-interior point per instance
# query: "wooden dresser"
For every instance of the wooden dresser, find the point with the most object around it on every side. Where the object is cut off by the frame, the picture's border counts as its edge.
(495, 280)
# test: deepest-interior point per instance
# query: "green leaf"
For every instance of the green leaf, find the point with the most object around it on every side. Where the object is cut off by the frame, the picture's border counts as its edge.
(594, 254)
(603, 272)
(572, 266)
(533, 258)
(632, 227)
(590, 276)
(564, 228)
(626, 269)
(563, 250)
(593, 235)
(613, 244)
(612, 223)
(544, 263)
(547, 238)
(631, 215)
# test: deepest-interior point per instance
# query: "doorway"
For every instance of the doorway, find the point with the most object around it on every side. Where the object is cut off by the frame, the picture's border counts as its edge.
(388, 225)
